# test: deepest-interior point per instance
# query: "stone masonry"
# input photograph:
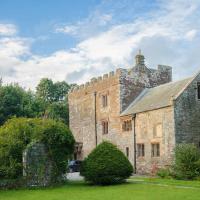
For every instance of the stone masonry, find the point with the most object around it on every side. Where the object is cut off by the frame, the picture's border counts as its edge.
(156, 118)
(187, 114)
(37, 166)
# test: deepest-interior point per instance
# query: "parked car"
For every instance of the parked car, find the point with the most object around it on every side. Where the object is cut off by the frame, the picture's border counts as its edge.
(74, 165)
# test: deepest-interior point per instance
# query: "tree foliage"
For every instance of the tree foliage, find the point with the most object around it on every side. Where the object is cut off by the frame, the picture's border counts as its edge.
(105, 165)
(187, 161)
(17, 133)
(58, 111)
(15, 101)
(52, 92)
(55, 97)
(49, 101)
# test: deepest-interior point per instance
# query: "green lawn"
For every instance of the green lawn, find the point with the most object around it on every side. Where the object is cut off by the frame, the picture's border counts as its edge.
(136, 189)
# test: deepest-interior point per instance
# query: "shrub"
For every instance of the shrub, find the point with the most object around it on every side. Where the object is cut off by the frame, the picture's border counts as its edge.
(105, 165)
(187, 162)
(12, 183)
(164, 173)
(17, 133)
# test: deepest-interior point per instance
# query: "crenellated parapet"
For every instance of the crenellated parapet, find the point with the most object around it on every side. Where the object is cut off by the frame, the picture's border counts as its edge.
(130, 81)
(95, 81)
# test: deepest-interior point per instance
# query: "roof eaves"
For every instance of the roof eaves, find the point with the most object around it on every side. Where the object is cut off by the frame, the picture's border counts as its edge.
(147, 110)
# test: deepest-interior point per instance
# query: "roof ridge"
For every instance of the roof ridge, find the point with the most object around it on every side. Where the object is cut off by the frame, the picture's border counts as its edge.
(157, 97)
(173, 82)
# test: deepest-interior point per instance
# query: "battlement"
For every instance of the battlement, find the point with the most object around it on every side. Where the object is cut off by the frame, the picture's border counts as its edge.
(139, 74)
(122, 73)
(98, 80)
(164, 68)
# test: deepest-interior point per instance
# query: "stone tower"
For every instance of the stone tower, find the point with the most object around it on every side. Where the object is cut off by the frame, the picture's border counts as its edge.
(86, 103)
(134, 80)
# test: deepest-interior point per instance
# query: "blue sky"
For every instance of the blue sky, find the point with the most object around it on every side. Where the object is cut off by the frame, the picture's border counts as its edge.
(74, 40)
(37, 18)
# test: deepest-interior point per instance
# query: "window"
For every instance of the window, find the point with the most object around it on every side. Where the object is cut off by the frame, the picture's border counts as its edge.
(127, 152)
(104, 100)
(155, 150)
(158, 130)
(140, 150)
(127, 125)
(105, 127)
(198, 90)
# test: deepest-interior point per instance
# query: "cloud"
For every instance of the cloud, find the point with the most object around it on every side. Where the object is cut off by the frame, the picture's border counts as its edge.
(13, 47)
(68, 29)
(7, 29)
(95, 23)
(191, 34)
(168, 35)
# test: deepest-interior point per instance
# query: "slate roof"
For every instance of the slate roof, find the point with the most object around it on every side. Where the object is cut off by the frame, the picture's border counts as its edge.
(157, 97)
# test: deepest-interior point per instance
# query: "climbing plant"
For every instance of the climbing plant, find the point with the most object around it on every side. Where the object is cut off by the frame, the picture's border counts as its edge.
(17, 133)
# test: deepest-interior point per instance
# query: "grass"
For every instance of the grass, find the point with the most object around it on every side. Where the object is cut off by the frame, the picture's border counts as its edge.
(136, 189)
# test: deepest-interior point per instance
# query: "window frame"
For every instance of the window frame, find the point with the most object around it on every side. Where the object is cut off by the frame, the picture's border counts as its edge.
(104, 100)
(127, 125)
(127, 152)
(198, 91)
(155, 150)
(104, 127)
(140, 150)
(155, 133)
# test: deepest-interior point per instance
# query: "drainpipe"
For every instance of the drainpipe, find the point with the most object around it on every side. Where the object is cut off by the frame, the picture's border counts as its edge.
(135, 151)
(95, 116)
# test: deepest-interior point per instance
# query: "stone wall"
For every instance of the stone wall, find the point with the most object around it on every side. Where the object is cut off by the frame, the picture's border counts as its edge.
(37, 166)
(121, 88)
(187, 115)
(82, 121)
(134, 80)
(155, 126)
(82, 110)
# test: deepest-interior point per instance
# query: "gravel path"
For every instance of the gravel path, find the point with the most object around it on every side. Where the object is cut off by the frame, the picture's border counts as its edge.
(75, 176)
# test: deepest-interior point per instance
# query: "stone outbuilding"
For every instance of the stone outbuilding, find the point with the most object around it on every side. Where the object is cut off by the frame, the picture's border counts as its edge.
(138, 109)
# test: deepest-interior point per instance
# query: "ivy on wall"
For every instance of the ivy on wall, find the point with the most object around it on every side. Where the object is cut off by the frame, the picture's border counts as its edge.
(17, 133)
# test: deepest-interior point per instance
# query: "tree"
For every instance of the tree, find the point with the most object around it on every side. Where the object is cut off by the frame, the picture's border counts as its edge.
(14, 101)
(17, 133)
(45, 90)
(52, 92)
(55, 97)
(60, 90)
(58, 111)
(49, 101)
(105, 165)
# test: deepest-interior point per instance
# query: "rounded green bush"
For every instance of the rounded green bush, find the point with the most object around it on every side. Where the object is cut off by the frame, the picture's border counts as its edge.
(106, 165)
(17, 133)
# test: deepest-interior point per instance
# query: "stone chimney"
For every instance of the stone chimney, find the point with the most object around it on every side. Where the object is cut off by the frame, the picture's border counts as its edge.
(139, 63)
(139, 59)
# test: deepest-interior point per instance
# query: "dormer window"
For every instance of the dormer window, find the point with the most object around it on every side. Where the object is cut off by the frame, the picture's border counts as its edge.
(104, 100)
(198, 90)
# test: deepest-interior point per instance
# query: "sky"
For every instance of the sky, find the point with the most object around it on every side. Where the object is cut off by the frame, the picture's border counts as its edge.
(75, 40)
